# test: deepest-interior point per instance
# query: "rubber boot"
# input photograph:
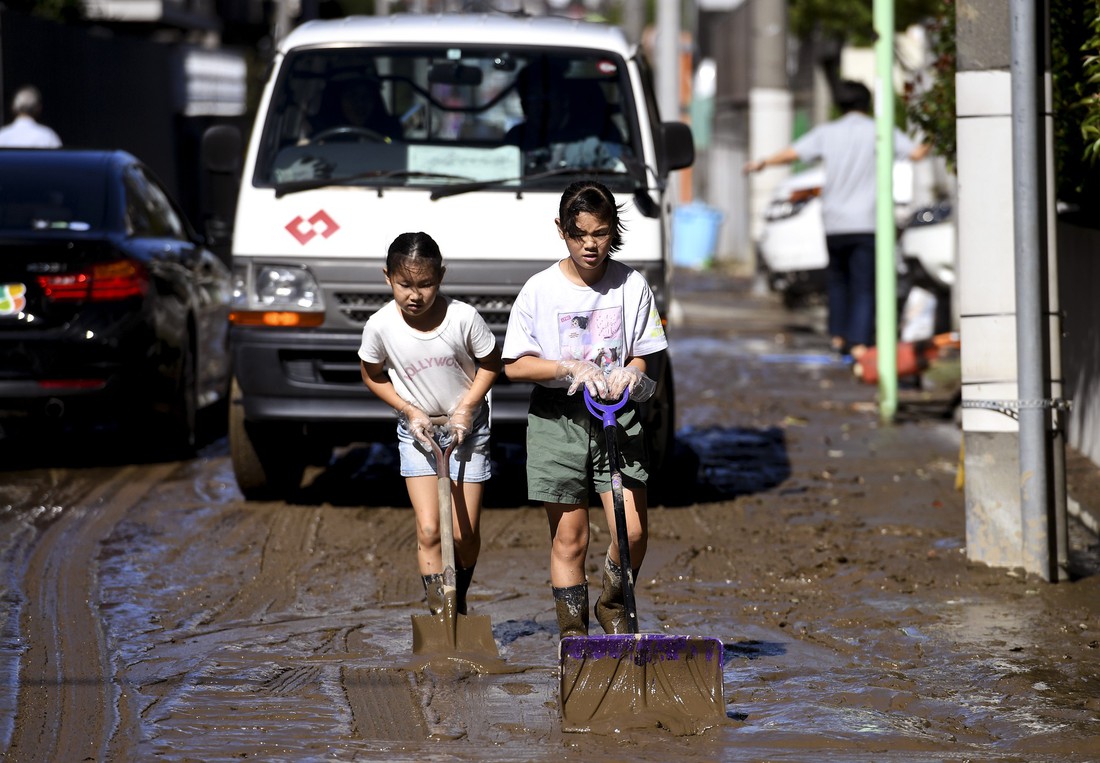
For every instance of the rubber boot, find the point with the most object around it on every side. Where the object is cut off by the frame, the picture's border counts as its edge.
(571, 606)
(433, 588)
(610, 610)
(463, 577)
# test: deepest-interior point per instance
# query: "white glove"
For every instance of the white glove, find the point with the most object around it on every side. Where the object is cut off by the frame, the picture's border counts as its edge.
(628, 377)
(578, 372)
(459, 423)
(420, 426)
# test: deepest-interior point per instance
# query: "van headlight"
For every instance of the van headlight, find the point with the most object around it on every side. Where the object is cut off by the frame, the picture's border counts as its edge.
(276, 295)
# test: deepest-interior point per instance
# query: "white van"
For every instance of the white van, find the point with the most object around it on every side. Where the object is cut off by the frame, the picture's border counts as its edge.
(467, 127)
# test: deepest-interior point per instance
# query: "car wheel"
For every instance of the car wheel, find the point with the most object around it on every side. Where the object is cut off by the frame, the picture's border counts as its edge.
(264, 455)
(179, 425)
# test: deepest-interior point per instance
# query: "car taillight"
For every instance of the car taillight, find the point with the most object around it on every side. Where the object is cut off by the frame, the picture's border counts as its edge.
(102, 282)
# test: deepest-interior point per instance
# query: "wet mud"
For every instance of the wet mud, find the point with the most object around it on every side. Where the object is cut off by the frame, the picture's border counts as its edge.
(148, 612)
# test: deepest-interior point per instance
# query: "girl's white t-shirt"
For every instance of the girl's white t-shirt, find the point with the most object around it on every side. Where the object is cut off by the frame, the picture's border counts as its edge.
(431, 369)
(615, 318)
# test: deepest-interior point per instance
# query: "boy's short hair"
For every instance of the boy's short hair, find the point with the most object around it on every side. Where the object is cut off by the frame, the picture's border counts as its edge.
(595, 199)
(853, 96)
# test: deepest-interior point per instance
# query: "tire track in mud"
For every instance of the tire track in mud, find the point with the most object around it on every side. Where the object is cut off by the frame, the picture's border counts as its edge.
(70, 706)
(291, 538)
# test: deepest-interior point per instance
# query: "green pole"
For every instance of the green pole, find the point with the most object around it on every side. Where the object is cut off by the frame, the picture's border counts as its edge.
(886, 312)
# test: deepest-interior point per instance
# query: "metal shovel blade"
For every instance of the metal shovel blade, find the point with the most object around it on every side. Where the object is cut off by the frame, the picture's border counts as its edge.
(636, 680)
(450, 632)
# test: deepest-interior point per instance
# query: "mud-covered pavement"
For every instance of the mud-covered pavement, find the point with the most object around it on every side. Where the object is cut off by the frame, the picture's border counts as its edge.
(147, 612)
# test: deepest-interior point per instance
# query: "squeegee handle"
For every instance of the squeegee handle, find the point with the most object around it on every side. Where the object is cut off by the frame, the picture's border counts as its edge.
(606, 413)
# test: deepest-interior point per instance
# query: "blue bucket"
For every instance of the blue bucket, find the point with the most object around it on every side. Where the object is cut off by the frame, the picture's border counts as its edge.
(694, 234)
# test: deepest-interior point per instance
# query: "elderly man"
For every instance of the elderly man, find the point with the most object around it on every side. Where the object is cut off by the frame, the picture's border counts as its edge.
(25, 131)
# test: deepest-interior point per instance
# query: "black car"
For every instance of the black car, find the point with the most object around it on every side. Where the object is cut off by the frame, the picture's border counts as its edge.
(111, 307)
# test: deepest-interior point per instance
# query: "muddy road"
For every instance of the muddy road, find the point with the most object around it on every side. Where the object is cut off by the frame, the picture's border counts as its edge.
(148, 612)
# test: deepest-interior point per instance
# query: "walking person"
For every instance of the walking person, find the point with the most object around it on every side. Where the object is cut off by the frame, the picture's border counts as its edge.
(425, 356)
(846, 145)
(566, 446)
(24, 131)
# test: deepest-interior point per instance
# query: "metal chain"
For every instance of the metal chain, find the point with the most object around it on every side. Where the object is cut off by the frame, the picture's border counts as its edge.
(1015, 405)
(1011, 408)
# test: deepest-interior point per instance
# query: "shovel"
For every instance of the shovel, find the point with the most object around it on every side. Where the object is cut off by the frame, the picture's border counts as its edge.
(635, 679)
(449, 631)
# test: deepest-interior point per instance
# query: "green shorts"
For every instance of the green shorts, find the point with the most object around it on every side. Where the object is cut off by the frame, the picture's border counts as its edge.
(567, 448)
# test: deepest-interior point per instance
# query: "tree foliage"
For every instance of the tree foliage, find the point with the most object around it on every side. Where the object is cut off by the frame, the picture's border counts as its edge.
(1075, 72)
(852, 20)
(930, 95)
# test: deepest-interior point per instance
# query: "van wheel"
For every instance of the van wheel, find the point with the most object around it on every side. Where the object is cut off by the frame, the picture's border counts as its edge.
(660, 429)
(264, 455)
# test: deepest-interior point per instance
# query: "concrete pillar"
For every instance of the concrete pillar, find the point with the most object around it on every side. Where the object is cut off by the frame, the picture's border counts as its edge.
(987, 288)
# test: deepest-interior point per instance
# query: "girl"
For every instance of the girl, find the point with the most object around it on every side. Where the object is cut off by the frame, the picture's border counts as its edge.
(425, 355)
(566, 447)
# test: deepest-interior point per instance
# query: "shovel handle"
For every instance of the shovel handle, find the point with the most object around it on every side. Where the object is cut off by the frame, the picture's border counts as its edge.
(443, 483)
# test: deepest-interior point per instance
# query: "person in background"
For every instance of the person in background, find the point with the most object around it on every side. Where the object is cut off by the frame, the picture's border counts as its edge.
(847, 147)
(25, 131)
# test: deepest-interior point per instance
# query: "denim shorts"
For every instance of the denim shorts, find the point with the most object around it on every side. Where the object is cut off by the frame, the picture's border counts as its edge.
(567, 448)
(469, 460)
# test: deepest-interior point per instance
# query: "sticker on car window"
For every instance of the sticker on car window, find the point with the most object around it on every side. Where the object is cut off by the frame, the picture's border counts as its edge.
(12, 298)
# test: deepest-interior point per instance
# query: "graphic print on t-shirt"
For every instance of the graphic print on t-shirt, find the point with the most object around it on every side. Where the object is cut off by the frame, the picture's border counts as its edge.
(595, 335)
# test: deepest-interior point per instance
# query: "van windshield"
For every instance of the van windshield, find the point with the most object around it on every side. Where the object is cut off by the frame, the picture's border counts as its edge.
(448, 115)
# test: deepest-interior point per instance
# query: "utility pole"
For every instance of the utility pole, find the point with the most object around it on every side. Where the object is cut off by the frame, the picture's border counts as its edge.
(886, 311)
(633, 19)
(667, 53)
(770, 120)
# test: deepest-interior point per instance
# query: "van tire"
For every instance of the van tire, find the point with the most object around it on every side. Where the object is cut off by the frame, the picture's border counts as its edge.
(264, 456)
(660, 422)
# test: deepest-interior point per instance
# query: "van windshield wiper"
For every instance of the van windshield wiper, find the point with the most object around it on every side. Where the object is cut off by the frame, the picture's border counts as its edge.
(479, 185)
(294, 186)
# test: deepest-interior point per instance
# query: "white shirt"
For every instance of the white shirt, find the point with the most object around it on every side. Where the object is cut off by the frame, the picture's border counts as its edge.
(25, 132)
(847, 146)
(554, 318)
(431, 369)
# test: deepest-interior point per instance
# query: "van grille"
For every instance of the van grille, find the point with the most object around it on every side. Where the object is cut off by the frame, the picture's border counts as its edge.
(356, 307)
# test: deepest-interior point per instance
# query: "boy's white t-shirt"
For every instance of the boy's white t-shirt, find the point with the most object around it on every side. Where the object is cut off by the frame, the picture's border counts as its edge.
(557, 319)
(431, 369)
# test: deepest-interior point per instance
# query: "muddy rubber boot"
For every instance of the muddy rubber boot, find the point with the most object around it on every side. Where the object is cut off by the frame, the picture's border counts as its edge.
(433, 588)
(610, 610)
(463, 577)
(571, 606)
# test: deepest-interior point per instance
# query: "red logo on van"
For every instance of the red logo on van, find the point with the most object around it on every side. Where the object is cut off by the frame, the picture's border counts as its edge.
(305, 230)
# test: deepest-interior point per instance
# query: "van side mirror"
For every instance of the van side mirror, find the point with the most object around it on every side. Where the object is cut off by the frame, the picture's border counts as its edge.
(678, 146)
(221, 155)
(221, 149)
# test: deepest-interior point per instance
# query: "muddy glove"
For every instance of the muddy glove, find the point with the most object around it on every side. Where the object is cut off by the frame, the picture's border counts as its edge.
(578, 372)
(420, 426)
(641, 386)
(459, 423)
